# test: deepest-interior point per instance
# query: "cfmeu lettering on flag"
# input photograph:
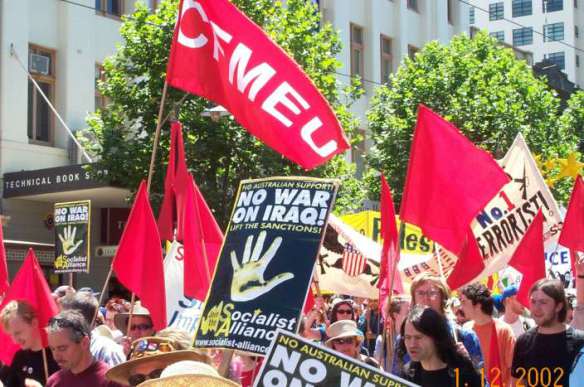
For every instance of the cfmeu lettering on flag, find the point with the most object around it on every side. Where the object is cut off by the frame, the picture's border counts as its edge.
(272, 96)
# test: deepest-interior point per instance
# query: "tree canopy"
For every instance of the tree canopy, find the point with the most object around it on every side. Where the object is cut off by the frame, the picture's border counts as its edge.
(219, 154)
(480, 87)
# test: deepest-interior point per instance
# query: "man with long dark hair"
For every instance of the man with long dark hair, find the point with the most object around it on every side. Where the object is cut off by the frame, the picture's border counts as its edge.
(435, 358)
(552, 345)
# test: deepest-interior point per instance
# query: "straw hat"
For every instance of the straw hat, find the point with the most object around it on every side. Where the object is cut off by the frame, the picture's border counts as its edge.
(148, 349)
(189, 374)
(121, 319)
(342, 329)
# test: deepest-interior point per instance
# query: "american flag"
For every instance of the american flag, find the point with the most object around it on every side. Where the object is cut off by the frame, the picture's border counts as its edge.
(353, 261)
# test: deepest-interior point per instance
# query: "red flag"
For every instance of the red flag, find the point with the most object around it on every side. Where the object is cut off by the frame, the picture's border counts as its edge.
(29, 285)
(138, 260)
(390, 249)
(176, 162)
(449, 181)
(529, 258)
(202, 237)
(572, 235)
(220, 54)
(4, 284)
(469, 265)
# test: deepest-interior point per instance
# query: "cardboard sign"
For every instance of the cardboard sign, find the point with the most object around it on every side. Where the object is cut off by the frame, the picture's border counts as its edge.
(72, 236)
(266, 262)
(294, 361)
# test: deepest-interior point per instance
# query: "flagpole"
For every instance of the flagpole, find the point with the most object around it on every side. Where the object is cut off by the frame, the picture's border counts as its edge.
(149, 181)
(45, 364)
(107, 280)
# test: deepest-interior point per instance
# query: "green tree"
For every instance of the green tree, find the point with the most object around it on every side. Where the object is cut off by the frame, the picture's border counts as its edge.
(477, 85)
(219, 154)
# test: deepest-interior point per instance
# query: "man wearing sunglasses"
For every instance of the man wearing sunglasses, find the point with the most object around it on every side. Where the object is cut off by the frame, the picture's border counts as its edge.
(69, 339)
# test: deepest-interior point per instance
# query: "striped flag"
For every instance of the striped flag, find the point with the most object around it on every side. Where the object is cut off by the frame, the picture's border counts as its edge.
(353, 261)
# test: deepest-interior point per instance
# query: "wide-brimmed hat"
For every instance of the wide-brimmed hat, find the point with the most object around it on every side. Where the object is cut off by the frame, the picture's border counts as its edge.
(147, 349)
(121, 319)
(189, 374)
(342, 329)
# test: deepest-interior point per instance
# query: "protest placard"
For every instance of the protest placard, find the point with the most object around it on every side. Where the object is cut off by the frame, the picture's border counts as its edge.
(295, 361)
(266, 262)
(72, 236)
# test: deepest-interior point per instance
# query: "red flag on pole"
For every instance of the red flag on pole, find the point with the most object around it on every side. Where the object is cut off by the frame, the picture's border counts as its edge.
(138, 261)
(449, 181)
(4, 284)
(176, 162)
(469, 265)
(29, 285)
(529, 258)
(220, 54)
(202, 238)
(572, 235)
(391, 246)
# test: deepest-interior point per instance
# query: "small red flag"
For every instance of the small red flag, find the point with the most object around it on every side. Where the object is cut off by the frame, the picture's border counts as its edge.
(202, 238)
(449, 181)
(390, 250)
(176, 162)
(138, 261)
(220, 54)
(4, 284)
(529, 258)
(572, 235)
(469, 265)
(29, 285)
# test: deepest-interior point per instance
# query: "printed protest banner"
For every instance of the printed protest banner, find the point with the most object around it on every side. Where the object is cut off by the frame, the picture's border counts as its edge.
(72, 236)
(294, 361)
(266, 262)
(181, 312)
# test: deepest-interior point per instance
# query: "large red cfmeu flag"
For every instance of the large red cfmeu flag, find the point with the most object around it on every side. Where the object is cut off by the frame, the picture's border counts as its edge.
(3, 266)
(220, 54)
(449, 181)
(29, 285)
(138, 261)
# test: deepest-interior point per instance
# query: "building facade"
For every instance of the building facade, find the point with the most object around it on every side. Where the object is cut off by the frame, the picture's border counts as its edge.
(549, 29)
(378, 34)
(63, 45)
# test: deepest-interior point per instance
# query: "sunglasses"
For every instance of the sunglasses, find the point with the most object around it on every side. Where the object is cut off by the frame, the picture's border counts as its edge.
(136, 379)
(345, 311)
(140, 327)
(346, 340)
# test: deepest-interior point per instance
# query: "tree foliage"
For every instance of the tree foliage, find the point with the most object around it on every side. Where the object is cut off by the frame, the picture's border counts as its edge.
(480, 87)
(219, 154)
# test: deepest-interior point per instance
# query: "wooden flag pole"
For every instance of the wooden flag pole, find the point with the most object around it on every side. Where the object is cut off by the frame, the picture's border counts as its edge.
(149, 182)
(101, 295)
(45, 364)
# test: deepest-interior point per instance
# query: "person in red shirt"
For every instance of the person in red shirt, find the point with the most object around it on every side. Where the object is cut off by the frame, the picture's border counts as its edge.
(69, 339)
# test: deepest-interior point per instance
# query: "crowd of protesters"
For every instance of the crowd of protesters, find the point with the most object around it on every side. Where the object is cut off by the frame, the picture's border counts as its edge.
(431, 337)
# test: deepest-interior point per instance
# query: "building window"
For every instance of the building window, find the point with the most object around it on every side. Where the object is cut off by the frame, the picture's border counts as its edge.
(558, 58)
(449, 11)
(553, 32)
(110, 7)
(41, 65)
(100, 100)
(499, 35)
(412, 50)
(496, 11)
(523, 36)
(521, 8)
(552, 5)
(386, 58)
(413, 4)
(471, 15)
(577, 60)
(575, 3)
(357, 51)
(576, 31)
